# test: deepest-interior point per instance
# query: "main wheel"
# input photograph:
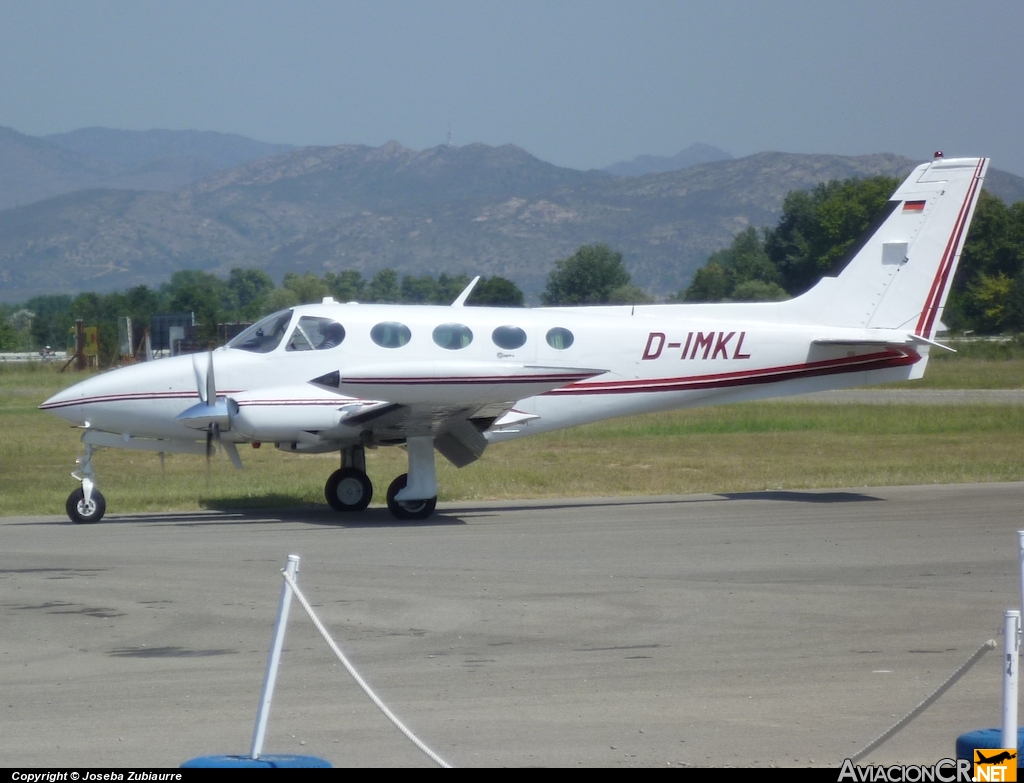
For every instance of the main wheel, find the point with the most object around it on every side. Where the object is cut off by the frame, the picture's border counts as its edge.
(348, 489)
(82, 513)
(408, 509)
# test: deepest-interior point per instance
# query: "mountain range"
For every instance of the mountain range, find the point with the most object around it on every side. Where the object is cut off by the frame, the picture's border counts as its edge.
(475, 209)
(658, 164)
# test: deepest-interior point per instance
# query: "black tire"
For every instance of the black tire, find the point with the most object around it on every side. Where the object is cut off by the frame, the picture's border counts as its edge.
(348, 489)
(409, 509)
(85, 514)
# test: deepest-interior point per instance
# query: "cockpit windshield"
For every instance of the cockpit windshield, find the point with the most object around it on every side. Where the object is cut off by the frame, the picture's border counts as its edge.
(263, 336)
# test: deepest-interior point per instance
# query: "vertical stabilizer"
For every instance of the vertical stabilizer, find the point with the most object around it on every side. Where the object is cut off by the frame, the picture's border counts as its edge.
(900, 277)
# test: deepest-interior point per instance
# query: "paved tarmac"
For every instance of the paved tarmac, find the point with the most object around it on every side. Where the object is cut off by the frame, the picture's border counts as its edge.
(786, 628)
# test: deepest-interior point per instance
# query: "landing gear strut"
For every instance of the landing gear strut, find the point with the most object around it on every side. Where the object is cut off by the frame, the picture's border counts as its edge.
(349, 488)
(408, 509)
(86, 504)
(413, 495)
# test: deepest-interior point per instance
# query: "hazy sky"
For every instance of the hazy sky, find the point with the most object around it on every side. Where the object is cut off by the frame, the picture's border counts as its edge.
(580, 84)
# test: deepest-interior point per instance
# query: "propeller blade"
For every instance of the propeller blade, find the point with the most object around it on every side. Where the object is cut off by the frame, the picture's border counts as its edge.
(200, 386)
(211, 385)
(232, 452)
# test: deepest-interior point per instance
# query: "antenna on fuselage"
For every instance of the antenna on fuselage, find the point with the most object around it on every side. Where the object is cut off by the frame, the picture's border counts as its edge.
(466, 292)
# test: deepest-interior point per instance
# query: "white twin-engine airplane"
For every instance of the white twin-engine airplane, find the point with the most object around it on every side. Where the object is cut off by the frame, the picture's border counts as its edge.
(346, 377)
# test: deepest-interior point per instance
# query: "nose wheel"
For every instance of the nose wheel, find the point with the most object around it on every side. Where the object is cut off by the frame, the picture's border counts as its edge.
(86, 504)
(348, 489)
(85, 512)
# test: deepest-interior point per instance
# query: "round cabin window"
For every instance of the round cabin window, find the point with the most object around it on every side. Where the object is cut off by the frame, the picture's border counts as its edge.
(452, 337)
(559, 338)
(390, 334)
(508, 337)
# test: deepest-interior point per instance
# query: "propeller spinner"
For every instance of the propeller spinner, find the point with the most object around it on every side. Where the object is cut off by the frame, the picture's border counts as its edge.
(212, 414)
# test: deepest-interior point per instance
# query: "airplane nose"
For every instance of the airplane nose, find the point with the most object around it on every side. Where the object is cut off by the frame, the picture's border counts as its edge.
(106, 395)
(71, 403)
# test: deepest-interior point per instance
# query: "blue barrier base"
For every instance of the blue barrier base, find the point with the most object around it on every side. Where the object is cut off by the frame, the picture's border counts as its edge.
(983, 738)
(270, 761)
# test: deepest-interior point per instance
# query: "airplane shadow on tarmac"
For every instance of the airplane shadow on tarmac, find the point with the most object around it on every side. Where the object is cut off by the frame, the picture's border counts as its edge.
(321, 516)
(802, 497)
(808, 496)
(228, 512)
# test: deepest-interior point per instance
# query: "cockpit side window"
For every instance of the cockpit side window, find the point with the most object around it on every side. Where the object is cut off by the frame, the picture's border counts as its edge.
(263, 336)
(313, 333)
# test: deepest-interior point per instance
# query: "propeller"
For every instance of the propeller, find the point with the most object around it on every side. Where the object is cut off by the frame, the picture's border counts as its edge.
(212, 414)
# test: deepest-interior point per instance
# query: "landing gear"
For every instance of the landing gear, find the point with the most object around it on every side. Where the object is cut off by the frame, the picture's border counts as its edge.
(86, 504)
(85, 512)
(348, 489)
(413, 495)
(408, 509)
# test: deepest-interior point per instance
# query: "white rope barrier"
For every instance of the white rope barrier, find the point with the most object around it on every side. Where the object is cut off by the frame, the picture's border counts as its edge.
(949, 683)
(359, 680)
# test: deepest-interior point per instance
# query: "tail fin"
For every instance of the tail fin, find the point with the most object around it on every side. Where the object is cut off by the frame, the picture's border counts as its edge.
(900, 277)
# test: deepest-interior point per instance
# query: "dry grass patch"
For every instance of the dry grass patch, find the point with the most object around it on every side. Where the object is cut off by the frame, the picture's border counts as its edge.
(731, 448)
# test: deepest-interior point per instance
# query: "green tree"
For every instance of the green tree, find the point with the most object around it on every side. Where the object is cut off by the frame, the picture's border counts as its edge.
(307, 287)
(8, 336)
(988, 290)
(346, 286)
(713, 282)
(629, 294)
(1014, 319)
(741, 272)
(449, 287)
(995, 242)
(588, 276)
(250, 289)
(818, 228)
(418, 290)
(384, 287)
(51, 320)
(987, 302)
(496, 292)
(281, 299)
(203, 294)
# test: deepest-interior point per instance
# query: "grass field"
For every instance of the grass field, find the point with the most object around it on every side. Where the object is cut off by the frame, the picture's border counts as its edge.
(747, 447)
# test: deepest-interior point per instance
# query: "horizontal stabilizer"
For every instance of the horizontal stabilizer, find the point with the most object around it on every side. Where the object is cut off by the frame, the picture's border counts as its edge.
(868, 342)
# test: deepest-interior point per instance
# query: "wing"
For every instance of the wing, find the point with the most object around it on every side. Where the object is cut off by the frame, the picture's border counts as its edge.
(455, 403)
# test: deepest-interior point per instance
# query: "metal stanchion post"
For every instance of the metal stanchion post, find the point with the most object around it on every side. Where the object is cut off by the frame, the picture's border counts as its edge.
(275, 658)
(1011, 649)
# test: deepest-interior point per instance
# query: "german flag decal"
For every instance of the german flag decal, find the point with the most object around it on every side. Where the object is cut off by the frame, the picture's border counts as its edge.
(913, 206)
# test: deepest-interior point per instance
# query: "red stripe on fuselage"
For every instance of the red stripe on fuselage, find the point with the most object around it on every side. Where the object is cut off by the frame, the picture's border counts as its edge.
(889, 358)
(941, 280)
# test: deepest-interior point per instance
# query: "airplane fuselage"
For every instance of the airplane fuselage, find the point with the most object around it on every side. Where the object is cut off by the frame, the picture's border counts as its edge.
(654, 357)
